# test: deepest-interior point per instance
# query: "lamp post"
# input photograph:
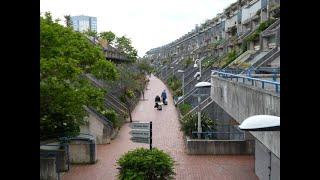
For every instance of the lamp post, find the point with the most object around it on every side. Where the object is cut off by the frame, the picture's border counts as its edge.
(182, 71)
(196, 65)
(200, 85)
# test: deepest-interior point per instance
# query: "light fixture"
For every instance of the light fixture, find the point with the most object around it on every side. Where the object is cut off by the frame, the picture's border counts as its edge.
(196, 74)
(261, 123)
(203, 84)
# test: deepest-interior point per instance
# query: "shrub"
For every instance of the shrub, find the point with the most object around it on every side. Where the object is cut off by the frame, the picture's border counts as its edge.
(146, 164)
(185, 108)
(174, 84)
(187, 62)
(189, 123)
(112, 116)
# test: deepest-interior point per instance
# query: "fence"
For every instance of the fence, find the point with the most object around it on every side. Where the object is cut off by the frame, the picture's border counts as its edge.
(250, 80)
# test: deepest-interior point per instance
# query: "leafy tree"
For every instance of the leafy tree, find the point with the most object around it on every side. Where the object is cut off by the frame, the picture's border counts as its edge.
(108, 35)
(65, 56)
(148, 164)
(91, 33)
(124, 44)
(185, 108)
(127, 86)
(68, 20)
(189, 123)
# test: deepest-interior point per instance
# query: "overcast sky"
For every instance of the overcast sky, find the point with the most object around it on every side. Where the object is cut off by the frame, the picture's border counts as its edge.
(148, 23)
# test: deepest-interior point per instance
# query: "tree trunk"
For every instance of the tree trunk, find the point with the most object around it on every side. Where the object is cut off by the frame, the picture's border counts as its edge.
(129, 109)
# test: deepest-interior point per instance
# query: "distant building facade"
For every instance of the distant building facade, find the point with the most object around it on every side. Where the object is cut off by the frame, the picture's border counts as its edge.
(84, 23)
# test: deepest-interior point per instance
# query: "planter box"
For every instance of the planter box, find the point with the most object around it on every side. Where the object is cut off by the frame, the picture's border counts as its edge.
(219, 147)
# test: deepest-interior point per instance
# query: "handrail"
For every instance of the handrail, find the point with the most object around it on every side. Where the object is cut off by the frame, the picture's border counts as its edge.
(272, 26)
(266, 56)
(117, 101)
(271, 58)
(226, 75)
(206, 102)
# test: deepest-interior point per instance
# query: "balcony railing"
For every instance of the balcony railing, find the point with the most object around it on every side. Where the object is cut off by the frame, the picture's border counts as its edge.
(245, 79)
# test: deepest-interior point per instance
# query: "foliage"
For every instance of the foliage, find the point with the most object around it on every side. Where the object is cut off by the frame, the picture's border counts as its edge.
(164, 62)
(112, 116)
(185, 108)
(187, 62)
(230, 58)
(189, 123)
(132, 80)
(68, 20)
(124, 44)
(261, 27)
(144, 66)
(65, 56)
(90, 33)
(146, 164)
(217, 43)
(174, 84)
(108, 35)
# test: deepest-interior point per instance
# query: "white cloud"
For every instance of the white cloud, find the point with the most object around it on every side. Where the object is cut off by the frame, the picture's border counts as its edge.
(149, 23)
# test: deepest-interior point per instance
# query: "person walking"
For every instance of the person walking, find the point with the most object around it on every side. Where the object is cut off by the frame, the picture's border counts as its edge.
(164, 97)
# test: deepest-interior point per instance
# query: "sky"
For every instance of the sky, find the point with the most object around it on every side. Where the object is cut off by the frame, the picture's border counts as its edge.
(148, 23)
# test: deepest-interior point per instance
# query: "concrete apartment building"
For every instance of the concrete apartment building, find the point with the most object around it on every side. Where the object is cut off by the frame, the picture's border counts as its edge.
(84, 23)
(238, 26)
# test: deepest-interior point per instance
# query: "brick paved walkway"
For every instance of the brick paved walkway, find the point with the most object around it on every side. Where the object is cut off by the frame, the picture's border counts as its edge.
(168, 137)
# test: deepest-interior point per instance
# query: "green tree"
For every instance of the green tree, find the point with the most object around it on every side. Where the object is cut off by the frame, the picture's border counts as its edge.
(124, 44)
(91, 33)
(65, 56)
(68, 20)
(189, 123)
(146, 164)
(108, 35)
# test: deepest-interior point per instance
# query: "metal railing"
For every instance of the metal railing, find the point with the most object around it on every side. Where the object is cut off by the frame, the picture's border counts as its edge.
(252, 80)
(203, 105)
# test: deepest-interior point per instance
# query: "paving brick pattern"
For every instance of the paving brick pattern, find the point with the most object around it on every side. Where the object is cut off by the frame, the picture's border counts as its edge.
(168, 137)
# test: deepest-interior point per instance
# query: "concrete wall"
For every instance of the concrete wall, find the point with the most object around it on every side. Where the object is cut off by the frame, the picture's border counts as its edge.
(98, 129)
(48, 169)
(275, 62)
(219, 147)
(82, 151)
(251, 11)
(231, 21)
(61, 158)
(241, 101)
(263, 161)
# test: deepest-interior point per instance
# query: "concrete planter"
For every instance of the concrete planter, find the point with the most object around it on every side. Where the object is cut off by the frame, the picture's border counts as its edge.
(83, 151)
(48, 168)
(59, 152)
(219, 147)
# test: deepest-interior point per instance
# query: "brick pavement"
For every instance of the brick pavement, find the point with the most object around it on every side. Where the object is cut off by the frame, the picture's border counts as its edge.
(168, 137)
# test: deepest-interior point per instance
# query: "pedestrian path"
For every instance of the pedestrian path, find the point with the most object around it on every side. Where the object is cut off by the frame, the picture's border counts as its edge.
(168, 137)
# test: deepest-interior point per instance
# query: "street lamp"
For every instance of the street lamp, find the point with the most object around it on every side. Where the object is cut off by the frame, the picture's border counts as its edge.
(200, 85)
(182, 71)
(261, 123)
(196, 64)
